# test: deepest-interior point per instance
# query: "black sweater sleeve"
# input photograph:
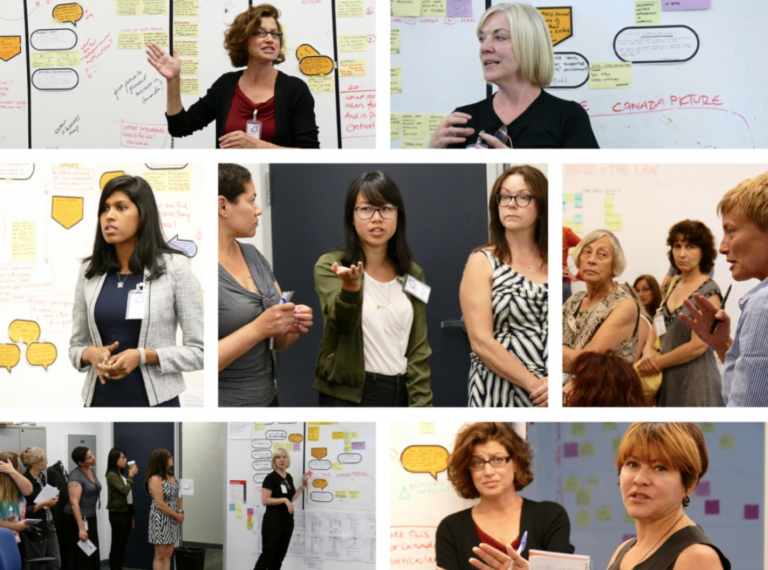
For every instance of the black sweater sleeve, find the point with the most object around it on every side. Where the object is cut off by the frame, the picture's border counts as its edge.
(577, 129)
(303, 131)
(200, 114)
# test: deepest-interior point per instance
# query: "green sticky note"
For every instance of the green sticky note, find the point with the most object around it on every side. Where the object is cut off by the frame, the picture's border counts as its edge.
(707, 427)
(610, 426)
(583, 498)
(592, 483)
(615, 442)
(648, 13)
(627, 518)
(583, 518)
(726, 441)
(578, 428)
(604, 513)
(587, 449)
(572, 484)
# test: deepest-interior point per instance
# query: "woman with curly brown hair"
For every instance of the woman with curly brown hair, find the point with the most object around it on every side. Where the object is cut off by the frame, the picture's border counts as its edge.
(492, 462)
(691, 376)
(282, 103)
(604, 379)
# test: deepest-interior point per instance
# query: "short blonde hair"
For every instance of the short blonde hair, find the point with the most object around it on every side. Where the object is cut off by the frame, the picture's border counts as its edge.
(276, 454)
(619, 261)
(751, 197)
(531, 40)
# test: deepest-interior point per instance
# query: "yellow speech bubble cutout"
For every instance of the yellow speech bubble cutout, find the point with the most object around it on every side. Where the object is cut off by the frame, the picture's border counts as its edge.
(68, 13)
(107, 176)
(67, 210)
(10, 46)
(319, 452)
(24, 331)
(296, 437)
(430, 459)
(304, 50)
(320, 483)
(316, 65)
(41, 354)
(9, 356)
(560, 23)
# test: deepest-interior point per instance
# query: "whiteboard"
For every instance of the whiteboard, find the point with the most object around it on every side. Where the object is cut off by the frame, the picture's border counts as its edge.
(41, 248)
(713, 100)
(648, 200)
(85, 82)
(334, 520)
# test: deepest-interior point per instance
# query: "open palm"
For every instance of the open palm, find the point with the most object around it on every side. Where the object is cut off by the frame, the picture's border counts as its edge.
(168, 66)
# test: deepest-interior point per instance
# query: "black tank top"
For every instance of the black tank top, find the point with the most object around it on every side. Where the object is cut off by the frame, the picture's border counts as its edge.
(666, 556)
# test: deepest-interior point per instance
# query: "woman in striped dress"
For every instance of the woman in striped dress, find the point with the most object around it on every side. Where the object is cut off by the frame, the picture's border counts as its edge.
(505, 298)
(166, 513)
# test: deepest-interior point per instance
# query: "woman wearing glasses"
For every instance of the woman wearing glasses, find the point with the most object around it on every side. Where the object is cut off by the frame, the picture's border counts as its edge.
(492, 462)
(374, 350)
(282, 103)
(505, 298)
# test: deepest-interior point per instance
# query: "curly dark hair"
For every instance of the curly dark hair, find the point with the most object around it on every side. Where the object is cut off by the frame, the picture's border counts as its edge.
(242, 28)
(232, 181)
(604, 379)
(478, 433)
(695, 233)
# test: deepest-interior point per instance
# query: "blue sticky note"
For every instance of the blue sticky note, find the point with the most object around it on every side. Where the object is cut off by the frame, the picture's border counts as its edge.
(231, 506)
(579, 200)
(578, 218)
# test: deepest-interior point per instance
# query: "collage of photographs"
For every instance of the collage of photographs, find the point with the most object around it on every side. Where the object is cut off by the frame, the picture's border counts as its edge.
(374, 270)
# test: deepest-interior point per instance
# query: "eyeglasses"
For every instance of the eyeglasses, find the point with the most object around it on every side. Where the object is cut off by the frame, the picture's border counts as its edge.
(496, 463)
(522, 200)
(264, 33)
(366, 212)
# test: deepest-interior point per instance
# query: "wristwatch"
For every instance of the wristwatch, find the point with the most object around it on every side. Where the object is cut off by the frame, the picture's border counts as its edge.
(180, 511)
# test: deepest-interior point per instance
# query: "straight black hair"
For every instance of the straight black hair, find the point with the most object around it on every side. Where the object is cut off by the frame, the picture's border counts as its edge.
(112, 459)
(378, 190)
(150, 242)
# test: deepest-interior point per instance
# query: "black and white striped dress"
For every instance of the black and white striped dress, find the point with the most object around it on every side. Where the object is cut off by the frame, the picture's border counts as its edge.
(520, 309)
(161, 527)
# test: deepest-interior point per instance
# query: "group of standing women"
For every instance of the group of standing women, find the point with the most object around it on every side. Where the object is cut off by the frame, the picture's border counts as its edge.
(374, 349)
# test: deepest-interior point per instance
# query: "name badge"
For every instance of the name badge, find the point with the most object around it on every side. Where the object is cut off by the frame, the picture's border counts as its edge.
(284, 489)
(134, 310)
(658, 322)
(253, 128)
(416, 288)
(85, 524)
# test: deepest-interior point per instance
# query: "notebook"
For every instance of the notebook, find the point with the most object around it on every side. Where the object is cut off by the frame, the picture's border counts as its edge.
(542, 560)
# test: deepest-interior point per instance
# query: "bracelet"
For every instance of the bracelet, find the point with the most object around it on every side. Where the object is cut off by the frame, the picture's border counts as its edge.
(143, 356)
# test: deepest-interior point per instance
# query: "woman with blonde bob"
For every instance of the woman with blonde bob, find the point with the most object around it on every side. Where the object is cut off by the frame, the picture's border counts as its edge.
(277, 494)
(281, 102)
(492, 462)
(36, 462)
(516, 55)
(606, 316)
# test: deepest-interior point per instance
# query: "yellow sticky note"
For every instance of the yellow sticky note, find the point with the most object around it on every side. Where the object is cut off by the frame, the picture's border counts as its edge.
(67, 58)
(127, 7)
(578, 228)
(583, 498)
(433, 8)
(348, 447)
(604, 513)
(583, 518)
(352, 67)
(239, 511)
(179, 181)
(592, 483)
(189, 67)
(185, 29)
(187, 48)
(433, 121)
(157, 180)
(394, 40)
(610, 426)
(426, 427)
(42, 59)
(189, 86)
(341, 494)
(570, 224)
(415, 144)
(587, 449)
(153, 7)
(350, 9)
(578, 428)
(726, 441)
(648, 13)
(313, 434)
(405, 8)
(708, 427)
(336, 466)
(130, 40)
(159, 38)
(186, 9)
(572, 484)
(354, 434)
(337, 435)
(414, 126)
(615, 442)
(353, 494)
(353, 43)
(24, 240)
(570, 197)
(395, 80)
(321, 83)
(394, 126)
(610, 75)
(258, 427)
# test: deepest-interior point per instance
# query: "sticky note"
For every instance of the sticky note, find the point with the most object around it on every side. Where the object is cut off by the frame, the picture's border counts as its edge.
(239, 511)
(159, 38)
(569, 224)
(405, 8)
(394, 126)
(186, 9)
(610, 426)
(615, 442)
(570, 450)
(459, 8)
(572, 484)
(426, 427)
(67, 210)
(610, 75)
(558, 22)
(712, 507)
(231, 506)
(42, 59)
(189, 67)
(352, 67)
(187, 48)
(570, 197)
(313, 434)
(578, 228)
(604, 513)
(353, 43)
(68, 58)
(130, 41)
(707, 427)
(259, 427)
(578, 428)
(726, 441)
(157, 180)
(583, 498)
(10, 46)
(153, 7)
(414, 126)
(671, 5)
(336, 466)
(579, 200)
(394, 40)
(751, 512)
(127, 7)
(321, 83)
(583, 518)
(587, 449)
(703, 489)
(353, 494)
(415, 144)
(433, 8)
(592, 483)
(648, 13)
(578, 219)
(249, 525)
(350, 9)
(341, 494)
(24, 240)
(185, 29)
(433, 121)
(395, 80)
(337, 435)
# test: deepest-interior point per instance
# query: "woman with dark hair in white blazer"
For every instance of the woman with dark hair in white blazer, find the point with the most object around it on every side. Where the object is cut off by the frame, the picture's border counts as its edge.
(131, 296)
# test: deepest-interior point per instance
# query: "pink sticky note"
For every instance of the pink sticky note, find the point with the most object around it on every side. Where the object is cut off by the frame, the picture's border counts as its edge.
(570, 449)
(626, 537)
(672, 5)
(358, 445)
(752, 512)
(458, 8)
(703, 489)
(712, 507)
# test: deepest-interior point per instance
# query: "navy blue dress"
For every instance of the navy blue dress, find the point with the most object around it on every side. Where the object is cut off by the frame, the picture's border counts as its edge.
(109, 313)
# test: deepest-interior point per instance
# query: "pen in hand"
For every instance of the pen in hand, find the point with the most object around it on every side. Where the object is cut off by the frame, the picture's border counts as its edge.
(714, 325)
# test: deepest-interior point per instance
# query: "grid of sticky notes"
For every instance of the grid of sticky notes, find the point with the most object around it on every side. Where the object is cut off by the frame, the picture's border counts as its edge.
(186, 34)
(139, 38)
(431, 8)
(70, 58)
(414, 129)
(571, 219)
(140, 7)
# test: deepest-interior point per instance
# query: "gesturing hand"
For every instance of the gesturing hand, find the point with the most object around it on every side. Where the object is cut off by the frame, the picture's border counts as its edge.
(449, 133)
(704, 317)
(168, 66)
(277, 320)
(351, 276)
(492, 141)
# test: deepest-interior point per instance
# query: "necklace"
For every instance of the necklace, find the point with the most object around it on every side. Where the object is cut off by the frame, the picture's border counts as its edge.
(674, 524)
(121, 282)
(388, 291)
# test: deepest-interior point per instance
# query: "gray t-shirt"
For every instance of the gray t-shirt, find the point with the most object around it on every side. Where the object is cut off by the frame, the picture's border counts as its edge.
(249, 380)
(89, 498)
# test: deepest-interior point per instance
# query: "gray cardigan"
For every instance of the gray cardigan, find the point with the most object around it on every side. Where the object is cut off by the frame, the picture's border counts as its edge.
(171, 300)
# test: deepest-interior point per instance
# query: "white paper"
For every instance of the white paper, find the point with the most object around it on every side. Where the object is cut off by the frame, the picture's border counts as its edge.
(353, 549)
(296, 546)
(333, 547)
(87, 546)
(353, 524)
(314, 523)
(239, 430)
(370, 525)
(315, 564)
(187, 488)
(48, 492)
(334, 524)
(314, 546)
(369, 550)
(541, 560)
(236, 493)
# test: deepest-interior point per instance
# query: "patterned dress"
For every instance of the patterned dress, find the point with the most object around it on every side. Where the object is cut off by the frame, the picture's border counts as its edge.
(520, 309)
(161, 527)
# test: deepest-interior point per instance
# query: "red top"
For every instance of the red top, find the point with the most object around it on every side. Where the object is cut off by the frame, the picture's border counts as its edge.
(241, 111)
(489, 540)
(570, 239)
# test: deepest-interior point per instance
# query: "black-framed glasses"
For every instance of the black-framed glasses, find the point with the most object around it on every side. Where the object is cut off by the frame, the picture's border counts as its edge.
(387, 212)
(522, 200)
(264, 33)
(478, 464)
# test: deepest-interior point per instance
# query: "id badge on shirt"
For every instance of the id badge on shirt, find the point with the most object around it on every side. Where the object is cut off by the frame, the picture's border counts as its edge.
(253, 128)
(284, 489)
(658, 322)
(85, 524)
(135, 307)
(416, 288)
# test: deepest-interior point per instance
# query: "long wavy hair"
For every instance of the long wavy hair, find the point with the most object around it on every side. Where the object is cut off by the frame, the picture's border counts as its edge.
(158, 465)
(378, 190)
(150, 241)
(9, 492)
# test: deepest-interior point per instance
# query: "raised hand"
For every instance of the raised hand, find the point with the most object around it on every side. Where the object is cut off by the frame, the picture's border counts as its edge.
(166, 65)
(351, 276)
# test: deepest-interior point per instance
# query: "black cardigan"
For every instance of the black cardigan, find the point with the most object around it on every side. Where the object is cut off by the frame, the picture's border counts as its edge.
(546, 522)
(294, 111)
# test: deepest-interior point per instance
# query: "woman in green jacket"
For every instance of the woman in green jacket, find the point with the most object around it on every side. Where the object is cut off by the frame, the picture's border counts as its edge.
(375, 350)
(119, 504)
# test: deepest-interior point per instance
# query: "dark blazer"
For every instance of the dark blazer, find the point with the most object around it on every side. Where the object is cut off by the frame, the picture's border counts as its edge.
(295, 124)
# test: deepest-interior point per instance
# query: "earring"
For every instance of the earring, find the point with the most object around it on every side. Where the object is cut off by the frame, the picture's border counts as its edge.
(225, 215)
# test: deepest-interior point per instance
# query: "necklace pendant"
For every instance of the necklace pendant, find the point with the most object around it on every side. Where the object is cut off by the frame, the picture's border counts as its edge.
(378, 307)
(120, 284)
(529, 269)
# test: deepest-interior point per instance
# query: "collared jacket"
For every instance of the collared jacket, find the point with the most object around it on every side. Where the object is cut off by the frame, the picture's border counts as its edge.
(340, 368)
(172, 300)
(117, 492)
